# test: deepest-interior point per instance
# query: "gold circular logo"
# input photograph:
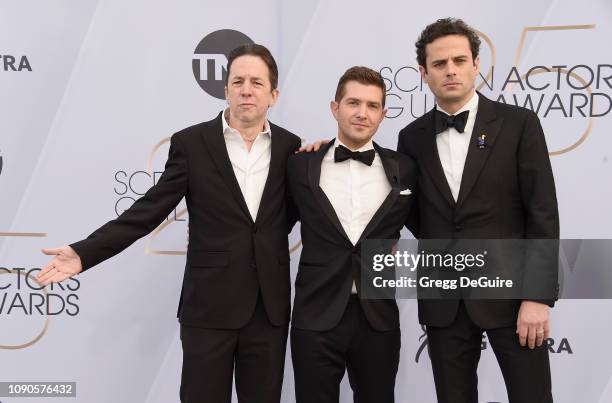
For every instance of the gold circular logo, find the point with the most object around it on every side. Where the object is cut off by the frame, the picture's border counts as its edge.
(589, 127)
(43, 331)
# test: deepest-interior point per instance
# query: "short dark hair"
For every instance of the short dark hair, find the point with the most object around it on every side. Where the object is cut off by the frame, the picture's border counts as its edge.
(363, 75)
(253, 49)
(444, 27)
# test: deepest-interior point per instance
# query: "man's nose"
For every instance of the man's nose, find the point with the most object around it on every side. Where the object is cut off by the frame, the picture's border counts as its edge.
(361, 111)
(246, 89)
(451, 69)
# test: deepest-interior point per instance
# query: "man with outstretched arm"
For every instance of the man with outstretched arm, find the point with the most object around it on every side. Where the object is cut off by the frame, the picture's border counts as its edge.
(235, 300)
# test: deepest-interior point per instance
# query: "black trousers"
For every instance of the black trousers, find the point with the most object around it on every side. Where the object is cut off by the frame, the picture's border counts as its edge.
(455, 351)
(255, 353)
(370, 357)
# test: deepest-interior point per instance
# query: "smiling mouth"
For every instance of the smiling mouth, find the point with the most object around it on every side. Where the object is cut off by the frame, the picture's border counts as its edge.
(360, 125)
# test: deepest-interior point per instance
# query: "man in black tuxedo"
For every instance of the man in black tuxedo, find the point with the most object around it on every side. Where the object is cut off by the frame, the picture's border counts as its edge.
(484, 173)
(235, 299)
(349, 191)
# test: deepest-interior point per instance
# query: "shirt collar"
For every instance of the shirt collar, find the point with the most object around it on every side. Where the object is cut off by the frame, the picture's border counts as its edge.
(228, 129)
(470, 105)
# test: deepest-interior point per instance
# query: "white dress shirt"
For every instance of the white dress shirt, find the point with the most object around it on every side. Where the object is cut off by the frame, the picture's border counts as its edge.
(453, 146)
(354, 189)
(250, 167)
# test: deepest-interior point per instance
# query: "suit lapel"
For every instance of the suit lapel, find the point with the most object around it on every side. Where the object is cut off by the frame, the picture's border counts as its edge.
(218, 152)
(392, 171)
(486, 124)
(276, 155)
(431, 158)
(314, 177)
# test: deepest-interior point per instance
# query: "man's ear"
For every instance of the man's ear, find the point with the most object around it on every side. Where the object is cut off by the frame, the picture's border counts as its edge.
(477, 64)
(382, 117)
(423, 71)
(275, 94)
(333, 105)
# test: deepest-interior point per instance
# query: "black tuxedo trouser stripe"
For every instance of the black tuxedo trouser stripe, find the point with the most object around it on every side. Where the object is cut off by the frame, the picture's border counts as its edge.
(370, 357)
(455, 351)
(256, 353)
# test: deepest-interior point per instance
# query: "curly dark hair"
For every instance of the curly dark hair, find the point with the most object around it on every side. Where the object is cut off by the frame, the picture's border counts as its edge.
(444, 27)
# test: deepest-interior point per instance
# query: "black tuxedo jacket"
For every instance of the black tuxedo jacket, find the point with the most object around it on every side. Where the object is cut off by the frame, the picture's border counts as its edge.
(230, 257)
(507, 191)
(329, 261)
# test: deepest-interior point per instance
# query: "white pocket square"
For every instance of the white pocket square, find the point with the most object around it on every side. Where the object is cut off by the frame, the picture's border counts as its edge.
(405, 192)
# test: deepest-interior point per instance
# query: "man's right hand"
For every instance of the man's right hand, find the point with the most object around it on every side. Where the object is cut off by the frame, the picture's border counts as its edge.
(65, 263)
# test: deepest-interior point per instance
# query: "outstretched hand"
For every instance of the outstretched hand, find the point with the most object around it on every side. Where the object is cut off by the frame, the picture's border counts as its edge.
(65, 263)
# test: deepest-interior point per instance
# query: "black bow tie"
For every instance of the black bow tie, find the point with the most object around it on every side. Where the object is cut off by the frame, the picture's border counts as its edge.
(342, 153)
(444, 121)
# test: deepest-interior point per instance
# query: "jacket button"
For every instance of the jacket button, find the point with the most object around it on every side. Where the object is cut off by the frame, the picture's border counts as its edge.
(458, 228)
(254, 229)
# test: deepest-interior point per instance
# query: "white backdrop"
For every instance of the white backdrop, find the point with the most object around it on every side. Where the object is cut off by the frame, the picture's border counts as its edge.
(90, 88)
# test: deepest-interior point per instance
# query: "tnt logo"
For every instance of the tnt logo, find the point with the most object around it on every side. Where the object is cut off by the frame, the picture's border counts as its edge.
(210, 59)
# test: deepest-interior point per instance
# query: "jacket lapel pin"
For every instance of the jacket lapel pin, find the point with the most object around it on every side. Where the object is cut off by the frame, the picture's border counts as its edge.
(482, 141)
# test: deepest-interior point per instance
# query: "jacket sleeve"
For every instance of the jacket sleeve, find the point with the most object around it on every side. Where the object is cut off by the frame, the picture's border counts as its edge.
(539, 200)
(293, 214)
(143, 216)
(412, 221)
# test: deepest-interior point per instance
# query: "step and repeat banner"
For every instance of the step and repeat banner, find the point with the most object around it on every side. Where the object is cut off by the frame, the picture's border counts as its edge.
(92, 90)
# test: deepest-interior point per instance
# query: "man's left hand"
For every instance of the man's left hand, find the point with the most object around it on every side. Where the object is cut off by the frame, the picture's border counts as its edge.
(532, 324)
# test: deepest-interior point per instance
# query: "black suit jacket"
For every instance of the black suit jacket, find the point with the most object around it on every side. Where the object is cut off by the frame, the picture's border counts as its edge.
(507, 191)
(230, 257)
(329, 261)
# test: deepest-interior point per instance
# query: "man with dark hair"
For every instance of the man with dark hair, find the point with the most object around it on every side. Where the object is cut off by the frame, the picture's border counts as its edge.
(484, 173)
(349, 191)
(361, 75)
(259, 51)
(235, 299)
(445, 27)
